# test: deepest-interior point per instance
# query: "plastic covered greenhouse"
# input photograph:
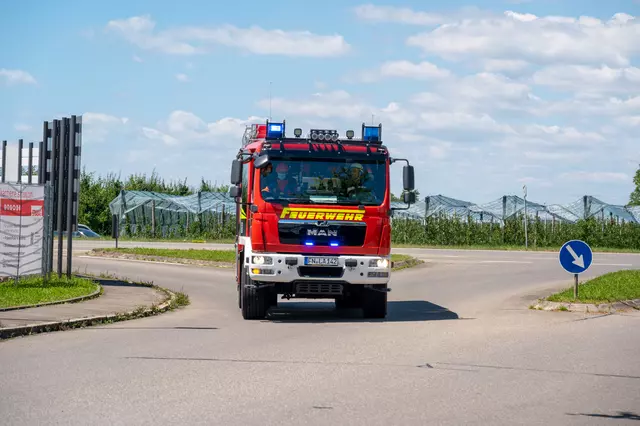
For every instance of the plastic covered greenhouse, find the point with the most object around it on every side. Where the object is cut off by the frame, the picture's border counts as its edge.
(167, 216)
(511, 206)
(211, 214)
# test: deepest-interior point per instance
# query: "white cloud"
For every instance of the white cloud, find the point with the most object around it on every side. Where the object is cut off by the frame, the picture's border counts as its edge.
(98, 117)
(137, 58)
(631, 121)
(336, 104)
(479, 92)
(182, 77)
(551, 155)
(403, 15)
(156, 135)
(531, 181)
(596, 106)
(98, 127)
(406, 69)
(12, 77)
(188, 130)
(584, 79)
(141, 31)
(505, 65)
(541, 40)
(597, 177)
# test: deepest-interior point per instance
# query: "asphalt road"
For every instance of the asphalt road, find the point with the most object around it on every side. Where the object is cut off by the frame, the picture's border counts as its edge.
(459, 347)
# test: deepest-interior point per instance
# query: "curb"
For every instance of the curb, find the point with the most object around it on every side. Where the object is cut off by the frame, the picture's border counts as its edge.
(7, 333)
(406, 264)
(625, 305)
(93, 295)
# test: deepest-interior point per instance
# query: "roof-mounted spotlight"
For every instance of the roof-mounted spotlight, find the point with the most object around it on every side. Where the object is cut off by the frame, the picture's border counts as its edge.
(350, 134)
(297, 132)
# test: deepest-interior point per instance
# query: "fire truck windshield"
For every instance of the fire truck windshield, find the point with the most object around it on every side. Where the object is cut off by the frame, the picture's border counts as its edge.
(324, 182)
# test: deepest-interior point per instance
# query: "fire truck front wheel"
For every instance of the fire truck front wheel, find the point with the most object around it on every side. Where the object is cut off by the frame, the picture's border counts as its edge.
(374, 301)
(255, 300)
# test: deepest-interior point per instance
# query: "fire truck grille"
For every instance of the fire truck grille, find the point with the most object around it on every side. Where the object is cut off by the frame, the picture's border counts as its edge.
(319, 288)
(320, 271)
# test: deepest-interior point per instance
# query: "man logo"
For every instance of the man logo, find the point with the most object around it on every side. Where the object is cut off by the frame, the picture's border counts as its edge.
(322, 232)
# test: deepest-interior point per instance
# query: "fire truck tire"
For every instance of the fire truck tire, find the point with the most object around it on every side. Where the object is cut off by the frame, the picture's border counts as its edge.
(350, 300)
(255, 301)
(374, 302)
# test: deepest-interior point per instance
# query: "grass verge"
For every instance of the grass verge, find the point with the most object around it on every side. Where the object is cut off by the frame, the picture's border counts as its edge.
(179, 300)
(193, 254)
(36, 290)
(608, 288)
(401, 261)
(512, 248)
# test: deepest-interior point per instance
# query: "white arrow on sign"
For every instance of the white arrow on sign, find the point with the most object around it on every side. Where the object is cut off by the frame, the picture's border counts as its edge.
(577, 260)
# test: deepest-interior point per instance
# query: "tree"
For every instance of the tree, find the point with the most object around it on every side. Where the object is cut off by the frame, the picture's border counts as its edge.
(634, 199)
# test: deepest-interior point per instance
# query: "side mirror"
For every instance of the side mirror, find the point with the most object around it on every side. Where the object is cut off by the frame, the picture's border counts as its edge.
(236, 172)
(261, 162)
(235, 191)
(408, 180)
(409, 197)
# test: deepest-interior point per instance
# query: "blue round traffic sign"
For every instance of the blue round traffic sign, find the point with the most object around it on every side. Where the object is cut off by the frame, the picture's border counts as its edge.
(575, 256)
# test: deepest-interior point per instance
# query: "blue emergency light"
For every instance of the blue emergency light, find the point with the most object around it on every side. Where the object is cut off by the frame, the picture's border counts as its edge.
(371, 133)
(275, 130)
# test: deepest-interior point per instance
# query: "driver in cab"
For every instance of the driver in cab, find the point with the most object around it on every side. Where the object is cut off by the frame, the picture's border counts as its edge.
(279, 183)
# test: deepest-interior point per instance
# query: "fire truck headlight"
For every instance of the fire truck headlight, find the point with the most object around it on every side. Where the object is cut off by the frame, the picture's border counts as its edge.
(378, 263)
(262, 260)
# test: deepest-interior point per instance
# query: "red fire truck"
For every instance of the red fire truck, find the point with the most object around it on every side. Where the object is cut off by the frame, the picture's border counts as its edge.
(313, 218)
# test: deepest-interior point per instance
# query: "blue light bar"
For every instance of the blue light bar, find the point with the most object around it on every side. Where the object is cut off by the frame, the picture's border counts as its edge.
(275, 130)
(371, 133)
(333, 244)
(308, 243)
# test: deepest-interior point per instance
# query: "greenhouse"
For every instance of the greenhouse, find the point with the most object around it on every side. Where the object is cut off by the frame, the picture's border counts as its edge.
(167, 216)
(439, 205)
(211, 214)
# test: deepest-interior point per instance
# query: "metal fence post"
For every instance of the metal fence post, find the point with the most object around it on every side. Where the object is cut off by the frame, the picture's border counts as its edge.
(20, 147)
(30, 171)
(70, 167)
(4, 161)
(59, 198)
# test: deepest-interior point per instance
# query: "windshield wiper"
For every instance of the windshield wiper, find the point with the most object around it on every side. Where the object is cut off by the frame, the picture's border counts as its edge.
(355, 202)
(287, 201)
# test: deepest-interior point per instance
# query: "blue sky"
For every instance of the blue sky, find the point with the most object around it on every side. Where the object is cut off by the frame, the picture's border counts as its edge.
(483, 97)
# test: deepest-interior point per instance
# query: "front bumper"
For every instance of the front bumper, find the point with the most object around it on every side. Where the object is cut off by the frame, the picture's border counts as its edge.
(289, 268)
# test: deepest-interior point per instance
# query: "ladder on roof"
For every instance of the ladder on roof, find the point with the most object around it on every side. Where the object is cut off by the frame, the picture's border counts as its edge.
(250, 133)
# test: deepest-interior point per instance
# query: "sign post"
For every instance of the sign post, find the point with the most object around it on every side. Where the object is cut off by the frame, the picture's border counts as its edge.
(575, 257)
(115, 228)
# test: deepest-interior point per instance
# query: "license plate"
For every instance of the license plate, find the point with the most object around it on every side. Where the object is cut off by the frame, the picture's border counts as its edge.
(321, 261)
